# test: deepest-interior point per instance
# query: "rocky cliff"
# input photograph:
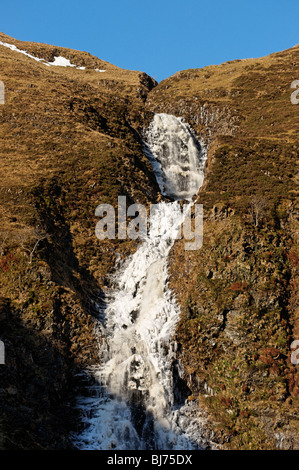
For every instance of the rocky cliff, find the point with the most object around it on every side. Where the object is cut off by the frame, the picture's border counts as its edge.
(71, 138)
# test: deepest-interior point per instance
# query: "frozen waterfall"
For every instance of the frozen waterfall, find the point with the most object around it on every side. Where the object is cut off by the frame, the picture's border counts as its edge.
(133, 404)
(176, 155)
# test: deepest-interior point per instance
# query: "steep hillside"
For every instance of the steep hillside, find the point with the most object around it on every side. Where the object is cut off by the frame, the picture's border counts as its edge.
(239, 293)
(69, 141)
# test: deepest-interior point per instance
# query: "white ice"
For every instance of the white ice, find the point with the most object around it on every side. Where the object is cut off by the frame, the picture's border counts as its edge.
(136, 366)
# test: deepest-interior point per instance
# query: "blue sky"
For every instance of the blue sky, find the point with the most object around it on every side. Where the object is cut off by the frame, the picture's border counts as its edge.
(158, 37)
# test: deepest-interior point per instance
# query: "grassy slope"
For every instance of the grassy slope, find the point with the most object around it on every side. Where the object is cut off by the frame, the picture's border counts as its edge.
(239, 293)
(69, 140)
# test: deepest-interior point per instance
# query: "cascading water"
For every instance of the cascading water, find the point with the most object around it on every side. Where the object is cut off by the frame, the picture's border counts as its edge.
(176, 155)
(133, 406)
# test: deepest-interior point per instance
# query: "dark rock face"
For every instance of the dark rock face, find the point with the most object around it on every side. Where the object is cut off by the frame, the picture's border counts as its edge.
(147, 81)
(236, 331)
(36, 383)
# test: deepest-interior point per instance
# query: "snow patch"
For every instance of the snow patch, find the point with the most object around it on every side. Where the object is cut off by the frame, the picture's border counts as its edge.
(14, 48)
(59, 61)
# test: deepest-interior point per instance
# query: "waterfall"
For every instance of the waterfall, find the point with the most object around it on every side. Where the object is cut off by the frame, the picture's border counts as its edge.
(176, 155)
(133, 404)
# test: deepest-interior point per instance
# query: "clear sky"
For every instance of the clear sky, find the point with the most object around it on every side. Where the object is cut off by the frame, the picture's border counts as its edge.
(158, 37)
